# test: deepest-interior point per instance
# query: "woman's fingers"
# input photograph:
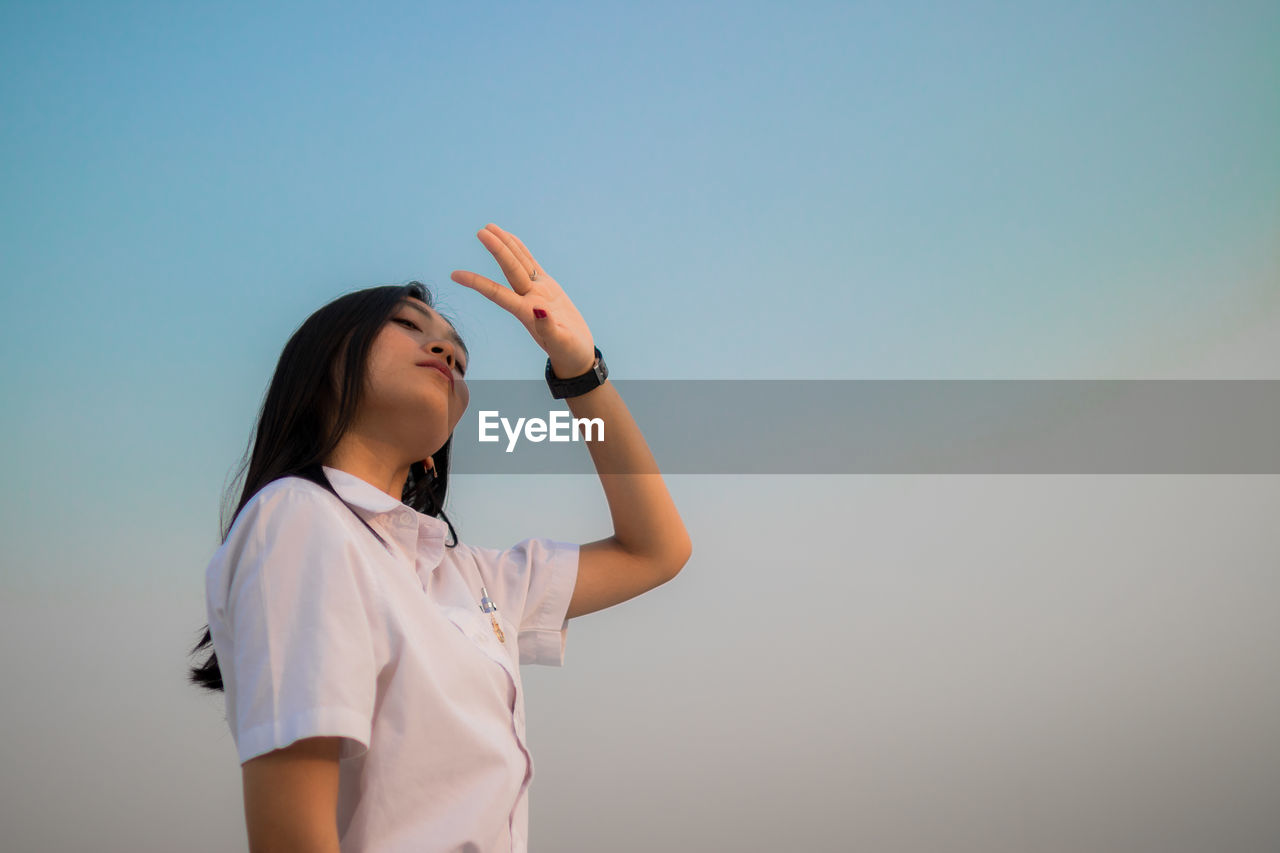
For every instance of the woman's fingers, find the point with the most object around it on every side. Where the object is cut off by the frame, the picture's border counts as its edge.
(530, 264)
(517, 264)
(501, 296)
(512, 267)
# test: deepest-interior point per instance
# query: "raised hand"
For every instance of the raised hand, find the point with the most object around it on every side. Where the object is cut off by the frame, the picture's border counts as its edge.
(536, 300)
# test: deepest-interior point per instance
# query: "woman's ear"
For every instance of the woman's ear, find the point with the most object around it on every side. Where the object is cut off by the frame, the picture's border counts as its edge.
(428, 464)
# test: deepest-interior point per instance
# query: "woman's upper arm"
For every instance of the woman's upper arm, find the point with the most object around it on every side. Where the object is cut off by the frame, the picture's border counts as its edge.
(291, 797)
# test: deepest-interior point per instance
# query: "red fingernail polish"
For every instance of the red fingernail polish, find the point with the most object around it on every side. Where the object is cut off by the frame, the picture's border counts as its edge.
(539, 313)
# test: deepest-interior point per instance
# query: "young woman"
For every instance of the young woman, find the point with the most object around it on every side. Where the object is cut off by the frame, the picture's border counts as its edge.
(370, 667)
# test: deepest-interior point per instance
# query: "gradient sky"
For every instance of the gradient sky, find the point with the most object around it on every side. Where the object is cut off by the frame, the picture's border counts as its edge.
(727, 191)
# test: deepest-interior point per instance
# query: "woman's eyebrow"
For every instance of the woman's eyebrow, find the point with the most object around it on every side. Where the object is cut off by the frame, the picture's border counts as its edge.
(451, 334)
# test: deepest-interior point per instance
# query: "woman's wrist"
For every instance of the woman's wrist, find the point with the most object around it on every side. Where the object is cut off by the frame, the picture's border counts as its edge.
(572, 382)
(570, 372)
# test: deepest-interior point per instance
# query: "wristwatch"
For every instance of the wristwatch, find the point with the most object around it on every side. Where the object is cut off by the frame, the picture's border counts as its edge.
(578, 385)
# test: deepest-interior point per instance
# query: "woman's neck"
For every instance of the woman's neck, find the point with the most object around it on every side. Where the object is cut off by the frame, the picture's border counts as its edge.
(374, 462)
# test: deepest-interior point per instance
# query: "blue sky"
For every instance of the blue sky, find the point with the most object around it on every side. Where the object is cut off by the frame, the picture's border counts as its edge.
(727, 191)
(828, 190)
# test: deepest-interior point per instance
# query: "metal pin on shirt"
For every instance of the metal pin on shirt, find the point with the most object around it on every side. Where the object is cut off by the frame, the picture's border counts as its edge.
(487, 605)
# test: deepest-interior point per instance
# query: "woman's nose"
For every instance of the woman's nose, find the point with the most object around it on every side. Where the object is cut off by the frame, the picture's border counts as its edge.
(445, 350)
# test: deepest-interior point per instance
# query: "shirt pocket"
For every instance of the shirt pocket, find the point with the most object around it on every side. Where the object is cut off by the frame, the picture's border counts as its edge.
(476, 627)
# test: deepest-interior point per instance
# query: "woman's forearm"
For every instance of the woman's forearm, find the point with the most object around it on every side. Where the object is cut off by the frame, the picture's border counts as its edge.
(645, 520)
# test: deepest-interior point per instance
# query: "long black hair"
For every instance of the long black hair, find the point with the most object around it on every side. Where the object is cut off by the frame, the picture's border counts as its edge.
(308, 407)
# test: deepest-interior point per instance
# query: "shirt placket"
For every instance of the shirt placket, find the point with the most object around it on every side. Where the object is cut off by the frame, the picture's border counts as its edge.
(481, 633)
(498, 653)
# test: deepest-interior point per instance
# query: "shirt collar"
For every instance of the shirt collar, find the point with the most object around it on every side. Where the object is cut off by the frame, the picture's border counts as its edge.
(370, 498)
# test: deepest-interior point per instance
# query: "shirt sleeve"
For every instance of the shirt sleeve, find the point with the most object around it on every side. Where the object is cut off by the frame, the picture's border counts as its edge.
(298, 612)
(534, 579)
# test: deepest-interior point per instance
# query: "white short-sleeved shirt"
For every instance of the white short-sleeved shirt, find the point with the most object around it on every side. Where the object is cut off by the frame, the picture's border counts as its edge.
(321, 630)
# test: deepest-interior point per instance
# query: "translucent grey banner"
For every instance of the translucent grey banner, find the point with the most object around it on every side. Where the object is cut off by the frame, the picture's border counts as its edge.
(890, 427)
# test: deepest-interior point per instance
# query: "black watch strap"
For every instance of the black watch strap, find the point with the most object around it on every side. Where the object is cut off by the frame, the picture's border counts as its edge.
(578, 385)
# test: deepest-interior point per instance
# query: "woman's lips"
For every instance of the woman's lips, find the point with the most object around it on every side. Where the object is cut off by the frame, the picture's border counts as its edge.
(440, 367)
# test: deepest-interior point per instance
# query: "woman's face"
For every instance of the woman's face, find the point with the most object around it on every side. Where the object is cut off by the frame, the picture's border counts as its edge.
(415, 376)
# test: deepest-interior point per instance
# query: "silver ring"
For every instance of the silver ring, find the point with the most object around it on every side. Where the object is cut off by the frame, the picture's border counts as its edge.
(533, 276)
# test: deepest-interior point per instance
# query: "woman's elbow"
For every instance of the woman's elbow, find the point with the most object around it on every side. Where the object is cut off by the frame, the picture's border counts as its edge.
(681, 551)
